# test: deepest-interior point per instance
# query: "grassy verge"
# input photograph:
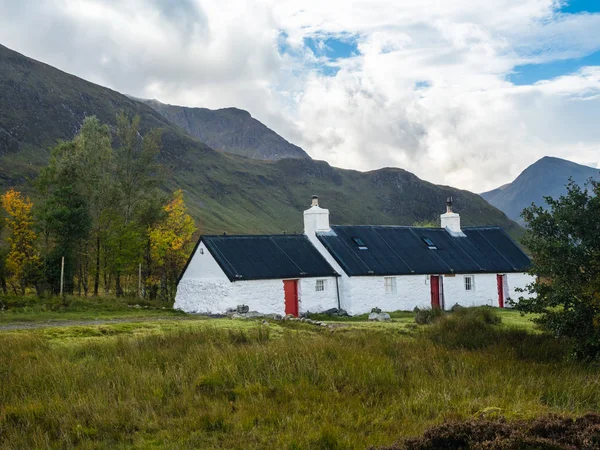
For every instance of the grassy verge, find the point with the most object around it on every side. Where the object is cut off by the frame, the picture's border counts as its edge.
(241, 384)
(14, 309)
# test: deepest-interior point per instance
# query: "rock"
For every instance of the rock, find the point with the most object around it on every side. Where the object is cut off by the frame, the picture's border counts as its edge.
(265, 323)
(242, 309)
(376, 310)
(288, 317)
(379, 317)
(324, 324)
(331, 312)
(253, 314)
(342, 313)
(237, 316)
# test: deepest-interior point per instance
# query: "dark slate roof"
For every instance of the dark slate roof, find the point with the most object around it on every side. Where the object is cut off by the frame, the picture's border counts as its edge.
(396, 250)
(267, 257)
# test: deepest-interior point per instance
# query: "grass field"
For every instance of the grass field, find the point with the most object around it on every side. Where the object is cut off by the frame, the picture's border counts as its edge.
(222, 383)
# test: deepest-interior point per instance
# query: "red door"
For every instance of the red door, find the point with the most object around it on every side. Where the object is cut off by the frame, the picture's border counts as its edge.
(500, 283)
(290, 288)
(434, 281)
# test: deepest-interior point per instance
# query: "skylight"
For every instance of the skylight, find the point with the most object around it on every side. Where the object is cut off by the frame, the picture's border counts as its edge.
(430, 243)
(359, 243)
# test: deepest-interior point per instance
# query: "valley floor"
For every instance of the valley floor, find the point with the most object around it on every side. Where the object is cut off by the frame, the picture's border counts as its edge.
(155, 378)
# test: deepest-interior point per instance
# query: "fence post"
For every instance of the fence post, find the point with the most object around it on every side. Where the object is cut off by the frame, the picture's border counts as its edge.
(62, 274)
(140, 281)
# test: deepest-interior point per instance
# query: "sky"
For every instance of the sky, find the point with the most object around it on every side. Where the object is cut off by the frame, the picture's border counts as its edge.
(465, 93)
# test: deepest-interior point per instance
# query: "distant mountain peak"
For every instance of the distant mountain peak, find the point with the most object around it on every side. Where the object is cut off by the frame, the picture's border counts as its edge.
(547, 176)
(231, 130)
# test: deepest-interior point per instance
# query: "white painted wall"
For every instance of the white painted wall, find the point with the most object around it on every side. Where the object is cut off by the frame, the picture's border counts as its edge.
(414, 290)
(204, 288)
(203, 266)
(317, 301)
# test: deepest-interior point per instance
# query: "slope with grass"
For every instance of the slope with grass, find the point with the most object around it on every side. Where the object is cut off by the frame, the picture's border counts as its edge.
(40, 104)
(237, 384)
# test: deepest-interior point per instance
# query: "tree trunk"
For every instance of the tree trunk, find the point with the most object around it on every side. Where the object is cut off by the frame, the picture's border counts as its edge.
(79, 279)
(148, 269)
(97, 274)
(118, 288)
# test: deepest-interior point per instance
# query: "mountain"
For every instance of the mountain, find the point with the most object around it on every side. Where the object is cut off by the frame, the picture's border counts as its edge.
(546, 177)
(40, 104)
(231, 130)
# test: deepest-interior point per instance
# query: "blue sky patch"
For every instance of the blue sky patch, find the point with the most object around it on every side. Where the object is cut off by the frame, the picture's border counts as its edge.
(531, 73)
(579, 6)
(333, 48)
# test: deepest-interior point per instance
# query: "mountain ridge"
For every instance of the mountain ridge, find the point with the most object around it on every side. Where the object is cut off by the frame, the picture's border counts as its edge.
(40, 104)
(231, 130)
(545, 177)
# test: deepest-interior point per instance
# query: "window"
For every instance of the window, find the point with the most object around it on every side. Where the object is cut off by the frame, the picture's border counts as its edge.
(320, 285)
(360, 244)
(429, 243)
(469, 283)
(390, 285)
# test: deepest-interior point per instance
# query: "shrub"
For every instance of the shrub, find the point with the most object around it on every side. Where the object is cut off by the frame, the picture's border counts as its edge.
(484, 314)
(545, 433)
(428, 315)
(468, 328)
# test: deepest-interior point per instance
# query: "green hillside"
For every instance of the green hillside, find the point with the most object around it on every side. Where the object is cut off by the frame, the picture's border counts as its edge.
(40, 104)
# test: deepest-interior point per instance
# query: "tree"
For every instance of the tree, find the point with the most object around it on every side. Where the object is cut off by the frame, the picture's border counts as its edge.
(137, 176)
(565, 248)
(169, 240)
(23, 261)
(95, 183)
(65, 214)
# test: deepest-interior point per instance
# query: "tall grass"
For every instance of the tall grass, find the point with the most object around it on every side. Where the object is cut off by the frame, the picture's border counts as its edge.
(305, 388)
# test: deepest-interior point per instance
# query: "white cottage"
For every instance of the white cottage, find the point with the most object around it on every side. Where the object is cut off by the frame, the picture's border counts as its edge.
(355, 268)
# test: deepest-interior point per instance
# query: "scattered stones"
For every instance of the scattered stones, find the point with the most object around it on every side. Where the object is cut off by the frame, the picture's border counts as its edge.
(379, 317)
(242, 309)
(335, 312)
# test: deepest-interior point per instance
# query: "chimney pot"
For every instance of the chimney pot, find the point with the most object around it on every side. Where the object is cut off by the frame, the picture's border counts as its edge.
(449, 205)
(314, 200)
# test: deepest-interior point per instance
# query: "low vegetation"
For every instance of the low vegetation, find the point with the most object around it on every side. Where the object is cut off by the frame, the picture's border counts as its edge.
(247, 384)
(544, 433)
(31, 309)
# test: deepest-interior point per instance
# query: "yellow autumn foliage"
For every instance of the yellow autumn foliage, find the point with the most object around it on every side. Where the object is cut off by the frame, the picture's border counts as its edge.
(169, 239)
(23, 256)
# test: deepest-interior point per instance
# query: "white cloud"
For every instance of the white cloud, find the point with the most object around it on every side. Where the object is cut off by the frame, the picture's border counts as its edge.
(427, 89)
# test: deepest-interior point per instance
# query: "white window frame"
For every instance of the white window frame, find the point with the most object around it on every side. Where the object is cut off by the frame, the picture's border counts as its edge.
(389, 284)
(320, 285)
(470, 281)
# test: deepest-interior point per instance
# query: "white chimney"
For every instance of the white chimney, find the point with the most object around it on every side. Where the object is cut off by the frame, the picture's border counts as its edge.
(451, 220)
(316, 219)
